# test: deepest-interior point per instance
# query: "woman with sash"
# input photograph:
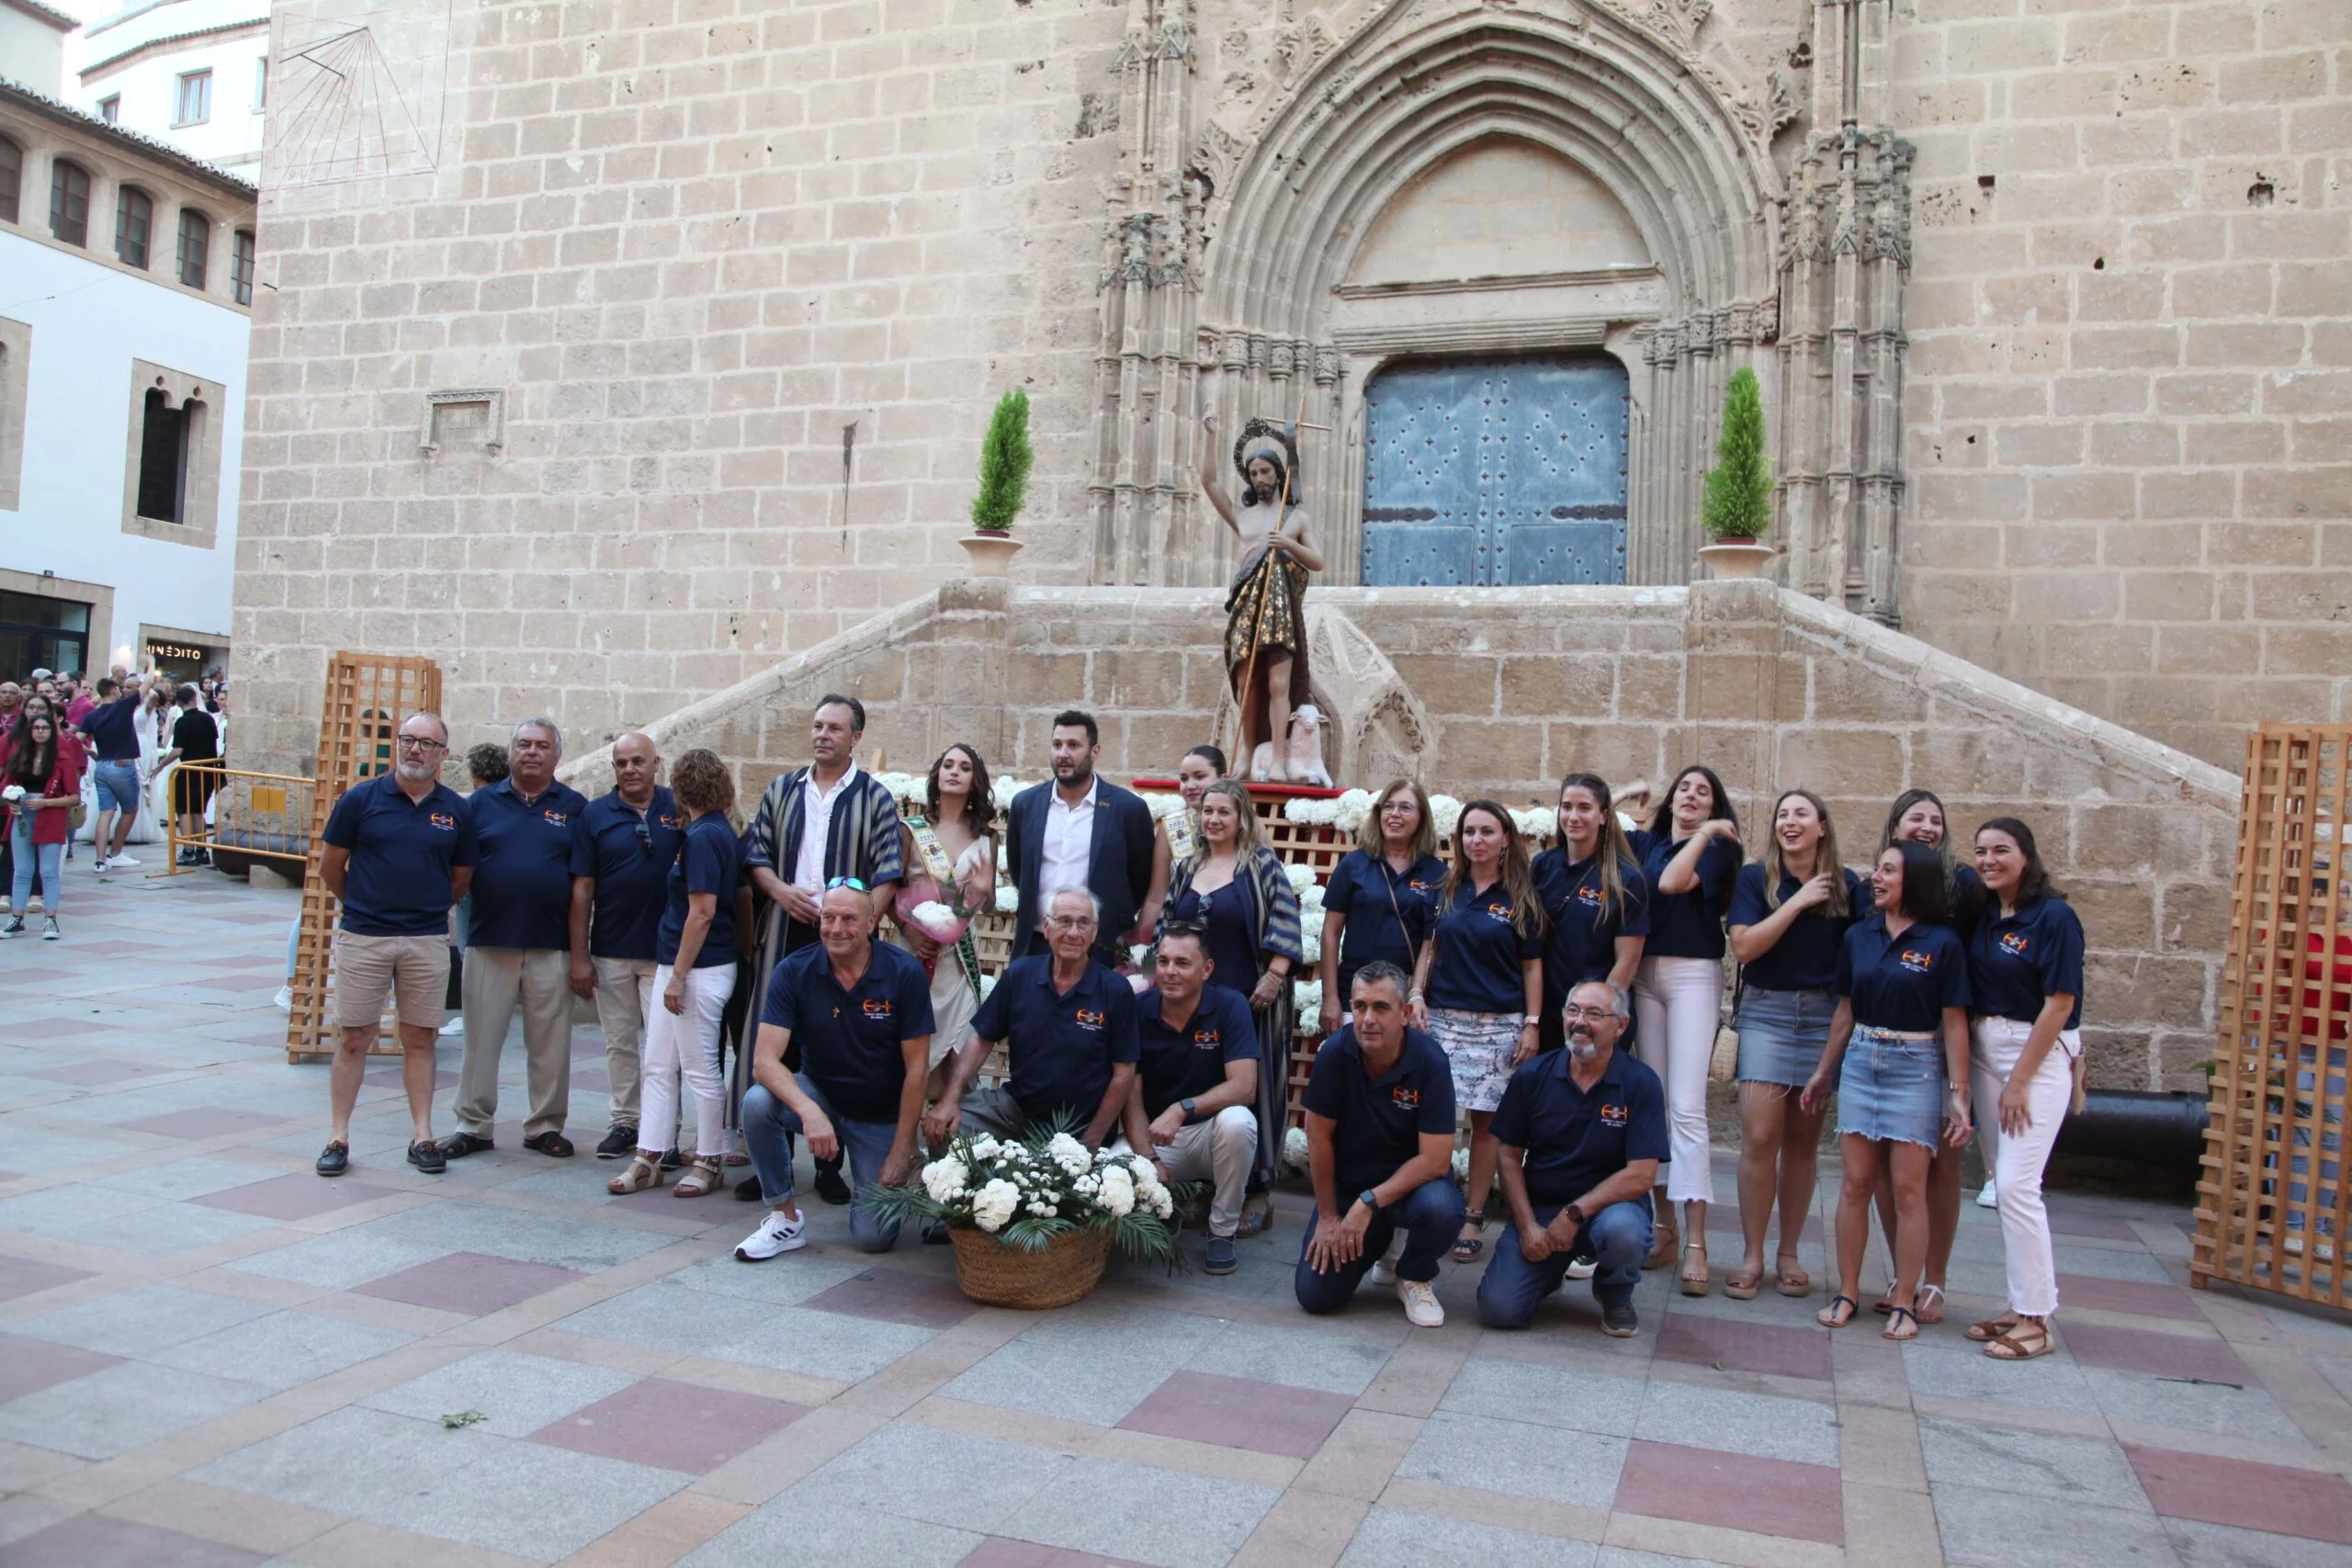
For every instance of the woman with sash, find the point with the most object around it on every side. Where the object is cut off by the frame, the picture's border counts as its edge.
(949, 849)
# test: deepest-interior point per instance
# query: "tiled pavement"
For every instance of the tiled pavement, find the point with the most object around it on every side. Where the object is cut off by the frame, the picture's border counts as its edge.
(209, 1357)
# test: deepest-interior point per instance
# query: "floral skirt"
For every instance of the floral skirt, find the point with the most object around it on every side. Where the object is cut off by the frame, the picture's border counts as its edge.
(1480, 1047)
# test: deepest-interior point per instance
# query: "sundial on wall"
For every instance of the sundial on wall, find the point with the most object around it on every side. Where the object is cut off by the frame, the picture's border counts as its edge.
(359, 93)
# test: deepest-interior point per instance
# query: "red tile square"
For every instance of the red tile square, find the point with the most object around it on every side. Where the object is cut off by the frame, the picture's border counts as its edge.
(60, 1028)
(2133, 1296)
(23, 1276)
(675, 1426)
(2158, 1355)
(292, 1197)
(87, 1540)
(203, 1121)
(1237, 1412)
(2307, 1503)
(1001, 1552)
(28, 1366)
(897, 1295)
(1778, 1348)
(1769, 1496)
(469, 1282)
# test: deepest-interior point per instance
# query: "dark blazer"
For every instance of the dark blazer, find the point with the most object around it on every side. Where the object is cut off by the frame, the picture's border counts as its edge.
(1118, 872)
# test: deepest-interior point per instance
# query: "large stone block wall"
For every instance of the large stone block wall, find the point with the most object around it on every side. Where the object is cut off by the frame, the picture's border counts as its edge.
(2130, 446)
(1509, 692)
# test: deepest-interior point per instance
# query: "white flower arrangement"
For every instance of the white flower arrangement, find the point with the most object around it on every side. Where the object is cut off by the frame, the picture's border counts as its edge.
(1445, 814)
(1307, 1000)
(988, 984)
(910, 790)
(1310, 938)
(1163, 806)
(1312, 813)
(1352, 810)
(1024, 1192)
(1295, 1152)
(1001, 789)
(1008, 899)
(1536, 823)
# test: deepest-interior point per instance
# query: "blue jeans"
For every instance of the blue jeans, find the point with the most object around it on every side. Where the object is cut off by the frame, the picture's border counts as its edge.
(768, 1128)
(28, 855)
(118, 786)
(1432, 1217)
(1617, 1239)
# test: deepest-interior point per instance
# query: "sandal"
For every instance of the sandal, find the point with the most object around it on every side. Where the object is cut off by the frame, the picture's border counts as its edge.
(1467, 1247)
(702, 1178)
(1705, 1279)
(1742, 1286)
(1830, 1317)
(1663, 1250)
(644, 1170)
(2009, 1348)
(1896, 1318)
(1930, 1307)
(1992, 1328)
(1793, 1281)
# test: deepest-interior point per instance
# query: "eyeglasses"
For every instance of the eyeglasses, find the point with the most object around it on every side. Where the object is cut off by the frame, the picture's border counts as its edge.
(645, 838)
(418, 743)
(1071, 922)
(1588, 1015)
(852, 883)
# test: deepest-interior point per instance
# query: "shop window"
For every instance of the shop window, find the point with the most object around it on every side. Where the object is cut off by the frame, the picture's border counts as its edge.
(134, 224)
(69, 203)
(40, 633)
(172, 479)
(195, 246)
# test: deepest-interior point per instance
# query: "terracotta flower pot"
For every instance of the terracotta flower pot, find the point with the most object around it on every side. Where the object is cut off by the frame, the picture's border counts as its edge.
(991, 551)
(1730, 560)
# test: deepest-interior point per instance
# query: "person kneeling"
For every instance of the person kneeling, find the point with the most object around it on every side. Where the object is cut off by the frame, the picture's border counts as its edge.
(861, 1012)
(1582, 1131)
(1380, 1142)
(1195, 1082)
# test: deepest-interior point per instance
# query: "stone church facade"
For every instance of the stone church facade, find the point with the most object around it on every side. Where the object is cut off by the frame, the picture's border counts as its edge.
(613, 351)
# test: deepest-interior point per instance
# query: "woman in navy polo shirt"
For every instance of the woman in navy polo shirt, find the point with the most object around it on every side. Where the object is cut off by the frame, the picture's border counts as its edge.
(1382, 897)
(1789, 915)
(1690, 855)
(1235, 890)
(1898, 1052)
(694, 975)
(1595, 901)
(2025, 973)
(1917, 816)
(1479, 985)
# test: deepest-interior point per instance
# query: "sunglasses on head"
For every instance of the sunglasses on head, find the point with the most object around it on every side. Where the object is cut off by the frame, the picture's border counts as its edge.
(852, 883)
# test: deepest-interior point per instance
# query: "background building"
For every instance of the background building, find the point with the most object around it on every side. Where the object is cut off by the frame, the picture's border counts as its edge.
(126, 282)
(32, 44)
(191, 74)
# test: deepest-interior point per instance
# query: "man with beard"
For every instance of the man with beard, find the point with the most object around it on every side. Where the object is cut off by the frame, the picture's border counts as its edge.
(398, 853)
(1582, 1131)
(622, 849)
(1083, 830)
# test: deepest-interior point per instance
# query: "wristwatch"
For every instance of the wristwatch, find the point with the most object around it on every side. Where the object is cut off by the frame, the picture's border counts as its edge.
(1369, 1200)
(1575, 1215)
(1191, 1115)
(1531, 1021)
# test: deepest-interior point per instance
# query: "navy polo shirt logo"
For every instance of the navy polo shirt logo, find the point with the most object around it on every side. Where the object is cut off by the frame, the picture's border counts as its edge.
(444, 822)
(1207, 1038)
(1498, 912)
(1089, 1018)
(1418, 885)
(2013, 943)
(670, 821)
(1919, 963)
(1411, 1098)
(1588, 895)
(557, 817)
(1612, 1115)
(877, 1007)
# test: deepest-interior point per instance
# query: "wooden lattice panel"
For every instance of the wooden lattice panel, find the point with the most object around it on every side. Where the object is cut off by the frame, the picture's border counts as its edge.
(2273, 1201)
(367, 697)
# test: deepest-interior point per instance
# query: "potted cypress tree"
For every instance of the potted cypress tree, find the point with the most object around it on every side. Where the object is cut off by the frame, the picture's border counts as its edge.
(1738, 506)
(1005, 457)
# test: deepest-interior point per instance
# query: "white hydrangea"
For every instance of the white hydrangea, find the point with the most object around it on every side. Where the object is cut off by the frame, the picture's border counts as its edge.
(1140, 1169)
(1310, 944)
(1301, 877)
(984, 1146)
(1118, 1194)
(1295, 1148)
(1153, 1195)
(1311, 813)
(988, 984)
(1536, 822)
(1445, 814)
(1087, 1186)
(944, 1179)
(1002, 788)
(933, 916)
(907, 789)
(994, 1204)
(1164, 805)
(1069, 1154)
(1307, 997)
(1352, 810)
(1008, 899)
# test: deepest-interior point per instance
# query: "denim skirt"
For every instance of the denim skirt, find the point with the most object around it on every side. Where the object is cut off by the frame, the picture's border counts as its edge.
(1892, 1088)
(1781, 1034)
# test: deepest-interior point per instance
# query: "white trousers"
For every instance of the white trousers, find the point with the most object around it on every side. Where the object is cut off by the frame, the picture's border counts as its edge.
(1678, 1007)
(1221, 1149)
(685, 1045)
(2017, 1173)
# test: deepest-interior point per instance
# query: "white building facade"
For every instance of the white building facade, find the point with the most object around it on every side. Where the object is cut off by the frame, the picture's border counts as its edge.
(32, 44)
(125, 283)
(191, 74)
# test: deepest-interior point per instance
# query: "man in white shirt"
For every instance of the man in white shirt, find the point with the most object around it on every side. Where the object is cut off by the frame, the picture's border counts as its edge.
(1083, 830)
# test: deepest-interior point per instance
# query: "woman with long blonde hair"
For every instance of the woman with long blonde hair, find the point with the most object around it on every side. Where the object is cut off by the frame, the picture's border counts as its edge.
(1380, 902)
(1596, 900)
(1788, 920)
(1479, 985)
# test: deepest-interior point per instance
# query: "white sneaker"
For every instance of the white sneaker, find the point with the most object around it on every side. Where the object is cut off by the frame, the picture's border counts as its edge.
(49, 928)
(456, 1026)
(1384, 1272)
(1988, 1198)
(119, 862)
(284, 1000)
(1583, 1267)
(777, 1235)
(99, 864)
(1422, 1308)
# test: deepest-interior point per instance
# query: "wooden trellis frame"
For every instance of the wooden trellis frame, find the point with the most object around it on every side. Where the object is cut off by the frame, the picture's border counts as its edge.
(368, 695)
(2273, 1201)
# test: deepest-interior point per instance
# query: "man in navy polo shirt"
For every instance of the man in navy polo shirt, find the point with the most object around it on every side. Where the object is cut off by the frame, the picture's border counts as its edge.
(1068, 1029)
(398, 852)
(112, 731)
(1380, 1148)
(518, 943)
(1583, 1132)
(860, 1011)
(1197, 1083)
(622, 849)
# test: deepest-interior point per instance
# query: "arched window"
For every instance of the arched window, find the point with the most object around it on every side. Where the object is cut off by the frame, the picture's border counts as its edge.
(69, 203)
(162, 456)
(195, 246)
(134, 220)
(12, 178)
(240, 266)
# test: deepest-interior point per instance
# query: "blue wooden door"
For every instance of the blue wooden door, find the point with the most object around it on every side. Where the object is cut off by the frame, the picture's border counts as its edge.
(1495, 471)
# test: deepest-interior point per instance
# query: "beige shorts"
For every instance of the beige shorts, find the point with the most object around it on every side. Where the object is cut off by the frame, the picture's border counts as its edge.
(369, 969)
